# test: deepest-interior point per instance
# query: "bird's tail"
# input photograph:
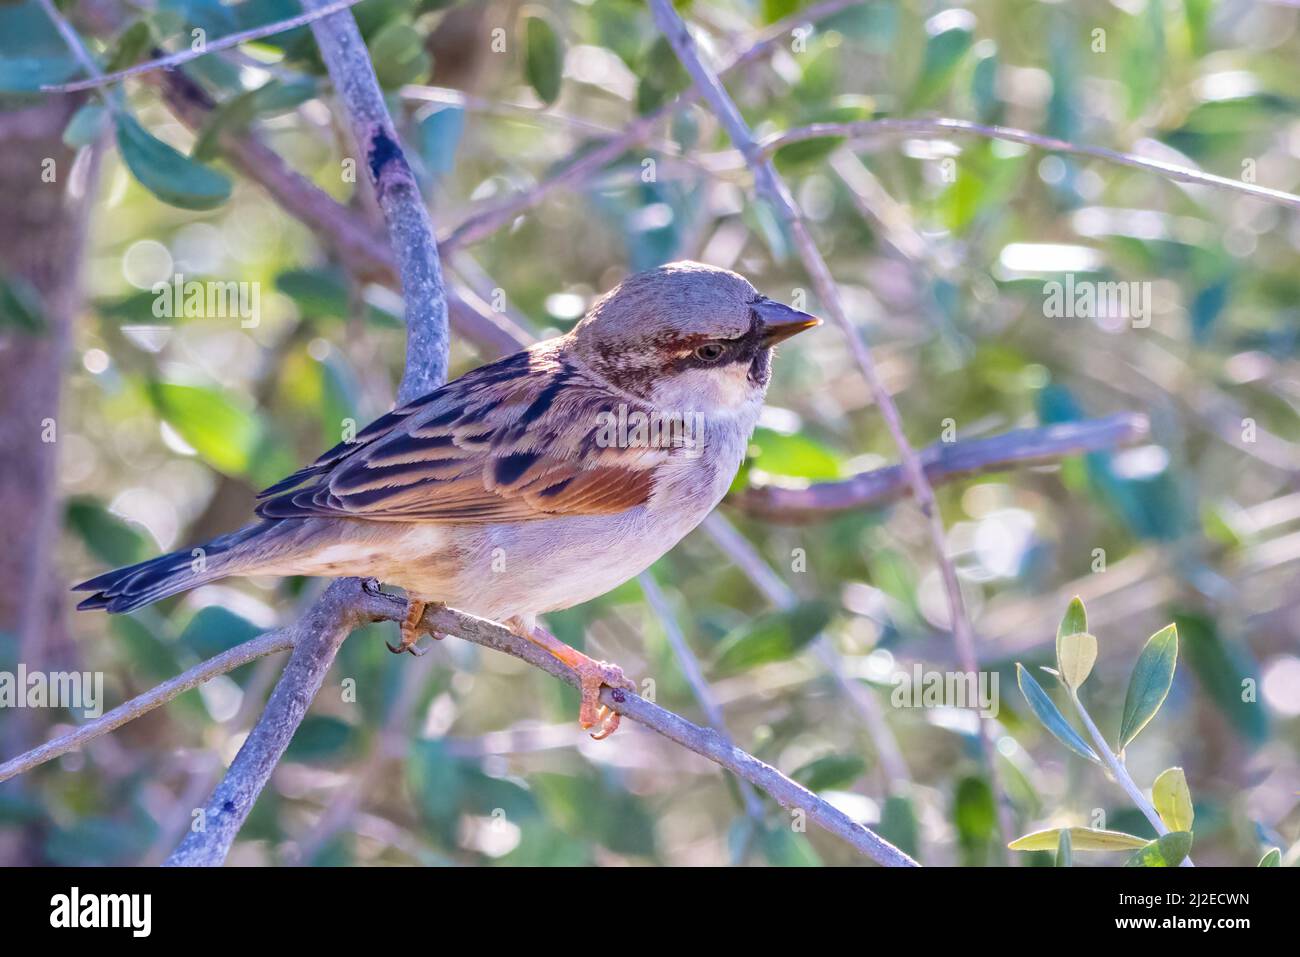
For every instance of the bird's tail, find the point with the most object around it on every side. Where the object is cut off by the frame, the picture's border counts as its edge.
(132, 587)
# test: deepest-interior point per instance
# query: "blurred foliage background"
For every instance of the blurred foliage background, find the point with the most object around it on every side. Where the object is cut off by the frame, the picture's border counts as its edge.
(943, 246)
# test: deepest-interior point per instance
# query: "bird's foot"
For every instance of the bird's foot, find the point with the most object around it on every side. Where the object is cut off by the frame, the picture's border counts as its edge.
(592, 676)
(410, 627)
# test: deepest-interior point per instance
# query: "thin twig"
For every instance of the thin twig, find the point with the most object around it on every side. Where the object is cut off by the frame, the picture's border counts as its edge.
(390, 743)
(279, 640)
(773, 189)
(71, 39)
(944, 462)
(861, 698)
(860, 129)
(493, 217)
(346, 605)
(1120, 773)
(98, 79)
(694, 675)
(316, 638)
(703, 741)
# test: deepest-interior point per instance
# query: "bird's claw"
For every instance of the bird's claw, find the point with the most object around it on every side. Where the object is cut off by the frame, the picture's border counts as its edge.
(410, 628)
(411, 649)
(592, 676)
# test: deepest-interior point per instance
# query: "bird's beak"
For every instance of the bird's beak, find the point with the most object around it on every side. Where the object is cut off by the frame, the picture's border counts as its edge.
(780, 322)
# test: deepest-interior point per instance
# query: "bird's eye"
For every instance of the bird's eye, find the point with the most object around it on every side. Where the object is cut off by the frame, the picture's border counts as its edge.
(709, 352)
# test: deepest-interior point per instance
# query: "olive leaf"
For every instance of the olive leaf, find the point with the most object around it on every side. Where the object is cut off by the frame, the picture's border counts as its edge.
(1168, 850)
(1050, 716)
(1272, 858)
(85, 125)
(171, 176)
(1149, 685)
(1081, 839)
(1075, 619)
(1064, 849)
(774, 636)
(1076, 654)
(543, 58)
(1076, 650)
(1172, 799)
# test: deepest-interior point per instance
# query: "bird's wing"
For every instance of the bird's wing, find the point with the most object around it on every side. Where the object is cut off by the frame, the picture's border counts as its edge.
(516, 440)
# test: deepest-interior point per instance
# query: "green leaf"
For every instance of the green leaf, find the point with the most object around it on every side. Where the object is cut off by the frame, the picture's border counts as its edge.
(949, 37)
(1081, 839)
(440, 133)
(792, 455)
(1064, 849)
(171, 176)
(1223, 666)
(324, 293)
(1168, 850)
(239, 111)
(662, 76)
(831, 772)
(214, 629)
(1173, 800)
(222, 433)
(435, 780)
(20, 306)
(1272, 858)
(543, 58)
(774, 10)
(108, 538)
(793, 157)
(398, 53)
(784, 848)
(321, 738)
(1050, 716)
(775, 636)
(1075, 620)
(975, 815)
(1075, 656)
(130, 47)
(146, 649)
(85, 125)
(898, 824)
(1149, 684)
(28, 74)
(1175, 846)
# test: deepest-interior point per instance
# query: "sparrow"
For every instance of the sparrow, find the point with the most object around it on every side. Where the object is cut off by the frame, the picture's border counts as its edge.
(531, 484)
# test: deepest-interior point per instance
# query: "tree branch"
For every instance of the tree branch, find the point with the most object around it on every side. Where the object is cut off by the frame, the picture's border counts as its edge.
(332, 618)
(345, 605)
(703, 741)
(694, 675)
(184, 56)
(769, 185)
(939, 127)
(279, 640)
(410, 231)
(861, 698)
(482, 224)
(943, 462)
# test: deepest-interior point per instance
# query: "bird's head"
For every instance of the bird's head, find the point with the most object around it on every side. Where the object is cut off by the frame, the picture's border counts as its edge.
(687, 336)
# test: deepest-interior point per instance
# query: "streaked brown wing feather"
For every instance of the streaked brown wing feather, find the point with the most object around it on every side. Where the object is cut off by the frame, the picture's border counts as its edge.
(512, 441)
